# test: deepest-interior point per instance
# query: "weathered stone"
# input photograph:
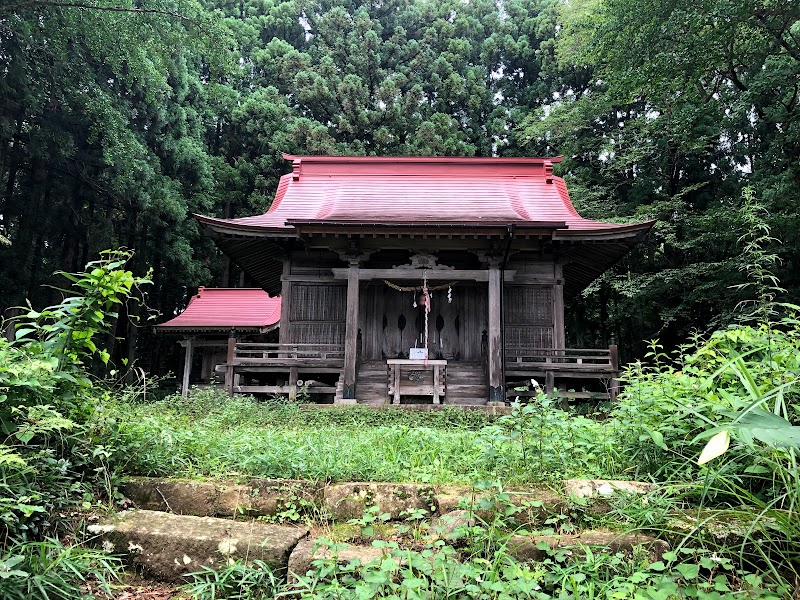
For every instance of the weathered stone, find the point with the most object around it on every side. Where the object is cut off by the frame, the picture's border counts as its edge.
(599, 492)
(590, 488)
(350, 500)
(267, 497)
(527, 548)
(447, 525)
(536, 504)
(721, 528)
(309, 550)
(168, 546)
(259, 497)
(449, 498)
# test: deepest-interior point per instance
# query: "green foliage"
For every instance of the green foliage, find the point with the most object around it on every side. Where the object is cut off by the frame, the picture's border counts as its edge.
(50, 464)
(235, 581)
(68, 331)
(49, 570)
(680, 108)
(539, 438)
(211, 434)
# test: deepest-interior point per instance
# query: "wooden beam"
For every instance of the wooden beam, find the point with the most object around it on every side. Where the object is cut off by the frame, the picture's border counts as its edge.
(351, 333)
(187, 368)
(206, 343)
(479, 275)
(495, 352)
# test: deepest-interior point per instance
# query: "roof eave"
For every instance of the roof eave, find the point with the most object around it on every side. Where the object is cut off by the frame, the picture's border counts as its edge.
(425, 159)
(166, 328)
(427, 224)
(623, 231)
(213, 226)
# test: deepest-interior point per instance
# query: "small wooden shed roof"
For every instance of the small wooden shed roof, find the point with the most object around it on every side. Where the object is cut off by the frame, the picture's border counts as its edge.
(221, 309)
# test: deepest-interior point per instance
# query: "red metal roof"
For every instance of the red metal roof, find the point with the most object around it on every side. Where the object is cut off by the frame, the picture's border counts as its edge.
(421, 190)
(224, 308)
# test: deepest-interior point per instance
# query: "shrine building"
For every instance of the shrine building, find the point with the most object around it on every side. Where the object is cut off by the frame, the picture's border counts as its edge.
(419, 279)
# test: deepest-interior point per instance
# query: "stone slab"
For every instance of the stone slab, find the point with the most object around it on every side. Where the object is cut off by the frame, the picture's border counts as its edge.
(452, 524)
(257, 497)
(527, 548)
(346, 501)
(592, 488)
(168, 546)
(536, 504)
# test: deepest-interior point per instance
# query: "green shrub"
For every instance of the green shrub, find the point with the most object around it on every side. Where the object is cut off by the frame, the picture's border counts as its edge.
(50, 461)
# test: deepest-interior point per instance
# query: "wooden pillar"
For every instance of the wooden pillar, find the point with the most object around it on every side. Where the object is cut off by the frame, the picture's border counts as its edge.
(436, 384)
(496, 393)
(614, 359)
(351, 335)
(549, 383)
(292, 384)
(187, 367)
(229, 375)
(559, 336)
(284, 332)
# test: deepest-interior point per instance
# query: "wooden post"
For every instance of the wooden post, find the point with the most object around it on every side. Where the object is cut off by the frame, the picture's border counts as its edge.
(284, 333)
(187, 368)
(292, 384)
(559, 337)
(436, 383)
(396, 371)
(614, 360)
(351, 335)
(229, 360)
(549, 383)
(495, 359)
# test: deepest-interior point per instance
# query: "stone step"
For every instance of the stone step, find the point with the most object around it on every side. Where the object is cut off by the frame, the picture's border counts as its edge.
(343, 501)
(256, 498)
(535, 548)
(168, 546)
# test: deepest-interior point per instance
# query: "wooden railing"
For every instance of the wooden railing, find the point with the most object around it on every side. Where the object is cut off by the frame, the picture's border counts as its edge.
(592, 363)
(244, 357)
(253, 352)
(562, 359)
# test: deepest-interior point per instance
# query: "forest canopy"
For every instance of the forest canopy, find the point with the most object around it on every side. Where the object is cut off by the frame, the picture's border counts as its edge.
(120, 118)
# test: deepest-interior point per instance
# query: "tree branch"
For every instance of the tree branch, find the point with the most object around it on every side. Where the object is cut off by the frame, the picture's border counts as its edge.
(120, 9)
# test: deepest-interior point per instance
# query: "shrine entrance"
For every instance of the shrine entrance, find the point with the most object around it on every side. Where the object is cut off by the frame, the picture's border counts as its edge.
(394, 320)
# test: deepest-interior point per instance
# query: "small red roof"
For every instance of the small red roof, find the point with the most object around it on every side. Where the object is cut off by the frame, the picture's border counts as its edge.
(226, 308)
(433, 191)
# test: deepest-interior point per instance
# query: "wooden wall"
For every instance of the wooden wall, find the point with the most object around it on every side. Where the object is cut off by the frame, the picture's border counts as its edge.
(529, 316)
(316, 307)
(454, 329)
(389, 324)
(534, 303)
(317, 313)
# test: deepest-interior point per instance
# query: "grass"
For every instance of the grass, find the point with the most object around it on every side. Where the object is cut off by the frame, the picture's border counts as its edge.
(212, 435)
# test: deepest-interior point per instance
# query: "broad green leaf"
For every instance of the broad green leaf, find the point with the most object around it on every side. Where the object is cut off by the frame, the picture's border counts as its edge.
(688, 571)
(658, 439)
